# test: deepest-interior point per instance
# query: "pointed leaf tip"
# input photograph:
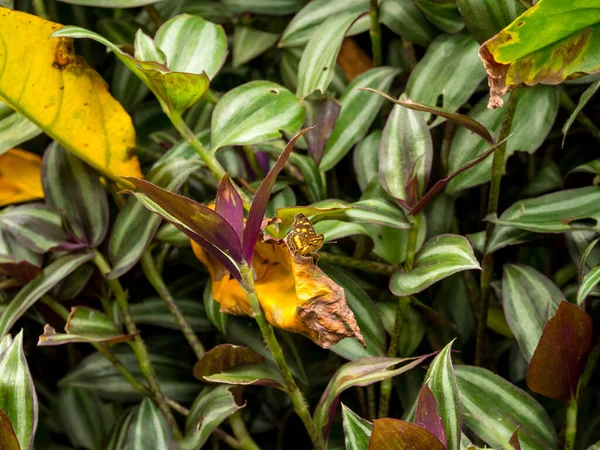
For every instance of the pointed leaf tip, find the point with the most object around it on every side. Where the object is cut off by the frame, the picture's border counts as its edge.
(230, 206)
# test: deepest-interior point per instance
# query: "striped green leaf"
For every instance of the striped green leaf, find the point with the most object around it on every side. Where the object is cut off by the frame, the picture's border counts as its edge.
(303, 25)
(120, 432)
(149, 429)
(7, 433)
(145, 48)
(406, 20)
(318, 58)
(529, 299)
(211, 407)
(485, 18)
(357, 431)
(585, 97)
(450, 69)
(366, 315)
(16, 260)
(96, 374)
(596, 446)
(273, 7)
(5, 342)
(442, 13)
(248, 43)
(79, 195)
(35, 226)
(253, 113)
(534, 116)
(126, 248)
(555, 213)
(15, 128)
(88, 419)
(439, 258)
(153, 311)
(111, 3)
(212, 308)
(365, 159)
(405, 155)
(493, 408)
(39, 286)
(362, 372)
(359, 110)
(18, 399)
(588, 284)
(441, 380)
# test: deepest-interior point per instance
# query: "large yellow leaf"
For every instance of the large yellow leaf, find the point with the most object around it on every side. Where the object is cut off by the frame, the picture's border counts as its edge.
(20, 177)
(43, 79)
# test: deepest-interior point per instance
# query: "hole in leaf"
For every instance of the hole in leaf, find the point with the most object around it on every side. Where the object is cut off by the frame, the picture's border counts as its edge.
(274, 91)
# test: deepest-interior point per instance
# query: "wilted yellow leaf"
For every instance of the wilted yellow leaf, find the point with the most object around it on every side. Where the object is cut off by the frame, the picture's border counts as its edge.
(20, 177)
(43, 79)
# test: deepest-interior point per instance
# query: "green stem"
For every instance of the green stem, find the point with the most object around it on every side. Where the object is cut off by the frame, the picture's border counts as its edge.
(356, 263)
(228, 439)
(571, 424)
(156, 280)
(494, 196)
(375, 32)
(210, 97)
(401, 311)
(40, 9)
(567, 103)
(207, 157)
(241, 432)
(154, 15)
(300, 406)
(138, 345)
(371, 402)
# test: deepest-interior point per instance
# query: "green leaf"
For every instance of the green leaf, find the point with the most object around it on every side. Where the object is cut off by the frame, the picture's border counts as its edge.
(80, 196)
(211, 407)
(365, 159)
(357, 431)
(405, 155)
(118, 436)
(406, 20)
(16, 260)
(39, 286)
(318, 58)
(7, 433)
(18, 399)
(523, 54)
(450, 69)
(146, 50)
(439, 258)
(585, 97)
(529, 299)
(125, 248)
(149, 429)
(362, 372)
(88, 420)
(248, 43)
(442, 13)
(562, 351)
(441, 380)
(153, 311)
(359, 110)
(302, 26)
(555, 213)
(15, 128)
(534, 116)
(413, 325)
(274, 7)
(111, 3)
(212, 308)
(588, 284)
(253, 113)
(485, 18)
(366, 316)
(393, 434)
(492, 407)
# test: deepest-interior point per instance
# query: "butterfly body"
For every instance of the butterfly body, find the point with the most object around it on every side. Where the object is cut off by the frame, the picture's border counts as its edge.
(303, 240)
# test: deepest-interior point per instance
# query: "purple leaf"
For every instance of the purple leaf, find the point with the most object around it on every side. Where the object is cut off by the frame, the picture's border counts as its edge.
(426, 414)
(229, 206)
(263, 161)
(394, 434)
(323, 115)
(200, 223)
(261, 200)
(514, 439)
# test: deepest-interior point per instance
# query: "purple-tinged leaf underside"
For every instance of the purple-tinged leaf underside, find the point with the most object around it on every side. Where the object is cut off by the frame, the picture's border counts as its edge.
(229, 205)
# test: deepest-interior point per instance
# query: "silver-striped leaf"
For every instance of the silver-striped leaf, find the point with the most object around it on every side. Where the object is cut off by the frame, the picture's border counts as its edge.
(149, 429)
(588, 284)
(248, 43)
(406, 20)
(15, 128)
(357, 431)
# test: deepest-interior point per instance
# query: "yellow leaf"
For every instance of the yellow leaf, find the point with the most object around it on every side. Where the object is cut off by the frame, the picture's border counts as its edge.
(20, 179)
(43, 79)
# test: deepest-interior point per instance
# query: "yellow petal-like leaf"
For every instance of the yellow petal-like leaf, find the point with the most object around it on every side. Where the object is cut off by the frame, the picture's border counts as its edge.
(43, 79)
(20, 177)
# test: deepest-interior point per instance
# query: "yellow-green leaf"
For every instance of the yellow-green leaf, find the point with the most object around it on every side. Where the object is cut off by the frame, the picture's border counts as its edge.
(43, 79)
(551, 41)
(20, 179)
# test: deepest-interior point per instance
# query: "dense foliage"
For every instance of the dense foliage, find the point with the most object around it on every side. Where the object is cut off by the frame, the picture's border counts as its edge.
(283, 224)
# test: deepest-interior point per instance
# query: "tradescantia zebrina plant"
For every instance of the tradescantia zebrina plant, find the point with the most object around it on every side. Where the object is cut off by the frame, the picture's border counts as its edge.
(328, 224)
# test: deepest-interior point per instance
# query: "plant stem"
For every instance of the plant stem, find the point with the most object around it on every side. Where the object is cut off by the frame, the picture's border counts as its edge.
(241, 432)
(571, 424)
(207, 157)
(494, 196)
(154, 15)
(228, 439)
(409, 52)
(156, 280)
(567, 103)
(401, 310)
(375, 32)
(40, 9)
(138, 345)
(360, 264)
(300, 406)
(371, 402)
